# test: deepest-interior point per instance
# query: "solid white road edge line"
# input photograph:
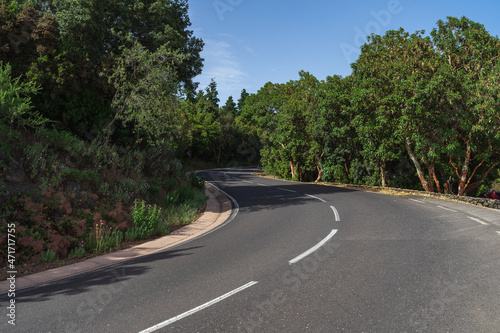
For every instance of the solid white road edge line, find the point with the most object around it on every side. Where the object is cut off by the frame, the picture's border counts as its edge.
(314, 248)
(448, 209)
(477, 220)
(312, 196)
(336, 213)
(199, 308)
(285, 189)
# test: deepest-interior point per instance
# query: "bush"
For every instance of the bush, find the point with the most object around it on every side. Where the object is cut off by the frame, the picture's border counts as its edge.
(103, 239)
(61, 140)
(15, 107)
(85, 176)
(49, 256)
(196, 181)
(145, 217)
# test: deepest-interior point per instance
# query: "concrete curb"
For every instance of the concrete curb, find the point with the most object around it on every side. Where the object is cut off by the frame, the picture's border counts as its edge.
(218, 210)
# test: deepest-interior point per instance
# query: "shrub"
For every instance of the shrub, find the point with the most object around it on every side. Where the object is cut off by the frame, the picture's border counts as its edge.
(196, 181)
(103, 239)
(49, 256)
(85, 176)
(77, 252)
(61, 140)
(15, 107)
(133, 234)
(145, 217)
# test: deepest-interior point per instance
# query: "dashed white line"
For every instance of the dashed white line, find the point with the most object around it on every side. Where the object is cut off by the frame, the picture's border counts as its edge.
(336, 213)
(199, 308)
(448, 209)
(416, 200)
(247, 181)
(498, 232)
(263, 185)
(314, 248)
(312, 196)
(477, 220)
(285, 189)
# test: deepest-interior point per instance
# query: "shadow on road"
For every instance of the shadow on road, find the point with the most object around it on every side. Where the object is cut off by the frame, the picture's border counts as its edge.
(114, 278)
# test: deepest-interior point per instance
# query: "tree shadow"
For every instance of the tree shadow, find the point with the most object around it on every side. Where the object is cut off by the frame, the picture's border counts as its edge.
(260, 193)
(113, 277)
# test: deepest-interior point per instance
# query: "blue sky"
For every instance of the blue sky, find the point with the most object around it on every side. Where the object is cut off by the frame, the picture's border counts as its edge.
(251, 42)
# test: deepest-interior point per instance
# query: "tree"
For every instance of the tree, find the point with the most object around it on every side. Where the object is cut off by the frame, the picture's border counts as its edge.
(283, 113)
(212, 93)
(242, 100)
(229, 107)
(201, 119)
(470, 71)
(91, 28)
(25, 36)
(392, 97)
(145, 85)
(15, 104)
(332, 127)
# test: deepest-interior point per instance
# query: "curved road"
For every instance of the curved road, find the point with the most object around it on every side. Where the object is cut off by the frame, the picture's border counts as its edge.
(295, 258)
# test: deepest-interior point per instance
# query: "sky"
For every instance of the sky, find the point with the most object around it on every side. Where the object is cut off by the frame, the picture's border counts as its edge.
(251, 42)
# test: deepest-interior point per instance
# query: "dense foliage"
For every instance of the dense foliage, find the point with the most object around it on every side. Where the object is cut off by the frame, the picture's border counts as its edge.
(417, 112)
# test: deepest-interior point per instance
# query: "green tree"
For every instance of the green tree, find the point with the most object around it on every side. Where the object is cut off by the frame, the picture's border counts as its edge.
(15, 104)
(212, 94)
(332, 127)
(202, 127)
(392, 72)
(91, 28)
(470, 72)
(230, 106)
(145, 85)
(241, 101)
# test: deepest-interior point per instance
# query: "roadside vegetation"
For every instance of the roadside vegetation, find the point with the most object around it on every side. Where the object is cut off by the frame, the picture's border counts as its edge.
(101, 125)
(418, 112)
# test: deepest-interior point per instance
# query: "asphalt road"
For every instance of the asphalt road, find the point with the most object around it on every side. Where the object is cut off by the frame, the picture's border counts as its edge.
(295, 258)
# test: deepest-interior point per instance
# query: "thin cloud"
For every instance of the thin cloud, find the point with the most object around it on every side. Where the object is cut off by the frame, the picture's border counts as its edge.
(222, 65)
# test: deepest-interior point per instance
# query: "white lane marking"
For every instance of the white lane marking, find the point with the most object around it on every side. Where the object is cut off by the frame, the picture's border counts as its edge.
(314, 248)
(263, 185)
(477, 220)
(498, 232)
(199, 308)
(337, 217)
(247, 181)
(448, 209)
(416, 200)
(312, 196)
(285, 189)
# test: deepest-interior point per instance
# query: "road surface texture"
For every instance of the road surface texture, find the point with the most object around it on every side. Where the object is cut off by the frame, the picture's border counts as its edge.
(294, 257)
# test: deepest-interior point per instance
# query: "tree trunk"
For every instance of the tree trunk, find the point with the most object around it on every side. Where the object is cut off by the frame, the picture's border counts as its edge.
(317, 160)
(292, 169)
(413, 158)
(465, 170)
(383, 175)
